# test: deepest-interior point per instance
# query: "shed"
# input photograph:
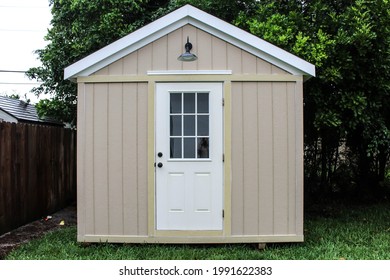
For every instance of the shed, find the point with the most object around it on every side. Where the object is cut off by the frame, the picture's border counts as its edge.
(206, 151)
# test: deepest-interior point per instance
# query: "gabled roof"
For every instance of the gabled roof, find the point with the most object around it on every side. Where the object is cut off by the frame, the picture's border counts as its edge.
(202, 20)
(23, 111)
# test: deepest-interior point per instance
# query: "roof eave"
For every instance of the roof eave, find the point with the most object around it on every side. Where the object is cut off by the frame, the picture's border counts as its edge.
(125, 45)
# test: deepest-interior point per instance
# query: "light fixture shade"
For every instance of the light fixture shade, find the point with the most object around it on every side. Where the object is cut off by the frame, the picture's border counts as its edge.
(187, 56)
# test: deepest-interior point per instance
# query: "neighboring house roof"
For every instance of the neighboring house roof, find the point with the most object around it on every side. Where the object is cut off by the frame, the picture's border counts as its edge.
(23, 111)
(202, 20)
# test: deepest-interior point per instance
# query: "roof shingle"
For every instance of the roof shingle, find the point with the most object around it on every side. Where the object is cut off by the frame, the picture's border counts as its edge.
(23, 111)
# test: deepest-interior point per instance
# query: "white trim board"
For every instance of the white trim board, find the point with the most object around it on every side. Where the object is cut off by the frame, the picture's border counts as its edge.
(189, 72)
(202, 20)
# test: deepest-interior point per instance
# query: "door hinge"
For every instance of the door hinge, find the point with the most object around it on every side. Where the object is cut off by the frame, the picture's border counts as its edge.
(223, 157)
(223, 101)
(223, 213)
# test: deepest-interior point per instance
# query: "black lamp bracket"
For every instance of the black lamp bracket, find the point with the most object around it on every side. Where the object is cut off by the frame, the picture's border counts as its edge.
(188, 45)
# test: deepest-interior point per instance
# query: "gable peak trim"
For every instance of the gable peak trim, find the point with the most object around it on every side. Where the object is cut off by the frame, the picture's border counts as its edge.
(200, 19)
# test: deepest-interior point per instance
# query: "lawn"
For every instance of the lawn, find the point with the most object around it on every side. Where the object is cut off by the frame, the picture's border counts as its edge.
(352, 233)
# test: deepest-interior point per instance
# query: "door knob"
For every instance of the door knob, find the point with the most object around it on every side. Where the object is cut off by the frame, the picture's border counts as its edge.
(160, 164)
(160, 154)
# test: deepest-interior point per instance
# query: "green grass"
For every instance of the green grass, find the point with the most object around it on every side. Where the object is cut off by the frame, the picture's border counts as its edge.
(338, 233)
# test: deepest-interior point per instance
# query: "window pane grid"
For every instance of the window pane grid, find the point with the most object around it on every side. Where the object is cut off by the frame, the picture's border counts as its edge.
(189, 125)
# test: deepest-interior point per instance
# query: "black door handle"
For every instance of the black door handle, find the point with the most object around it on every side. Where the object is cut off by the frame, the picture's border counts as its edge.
(159, 164)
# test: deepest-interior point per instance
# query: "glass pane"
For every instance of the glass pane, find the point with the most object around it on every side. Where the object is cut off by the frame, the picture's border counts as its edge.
(189, 147)
(175, 103)
(203, 147)
(175, 148)
(203, 125)
(189, 125)
(175, 126)
(189, 102)
(203, 102)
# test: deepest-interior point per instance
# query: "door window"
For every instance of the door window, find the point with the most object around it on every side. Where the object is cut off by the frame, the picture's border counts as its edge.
(189, 125)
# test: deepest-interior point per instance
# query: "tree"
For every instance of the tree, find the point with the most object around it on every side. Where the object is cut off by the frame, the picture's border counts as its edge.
(347, 116)
(80, 27)
(347, 104)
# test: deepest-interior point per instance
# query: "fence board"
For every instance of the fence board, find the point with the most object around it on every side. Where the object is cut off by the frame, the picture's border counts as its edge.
(37, 172)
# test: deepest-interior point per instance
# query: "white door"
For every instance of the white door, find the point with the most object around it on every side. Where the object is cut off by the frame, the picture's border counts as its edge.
(189, 163)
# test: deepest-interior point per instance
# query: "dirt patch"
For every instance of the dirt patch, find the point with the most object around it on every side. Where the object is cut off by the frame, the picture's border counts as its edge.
(11, 240)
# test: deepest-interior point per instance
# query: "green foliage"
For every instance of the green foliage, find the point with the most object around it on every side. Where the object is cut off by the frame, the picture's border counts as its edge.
(13, 96)
(347, 115)
(224, 9)
(347, 104)
(80, 27)
(54, 107)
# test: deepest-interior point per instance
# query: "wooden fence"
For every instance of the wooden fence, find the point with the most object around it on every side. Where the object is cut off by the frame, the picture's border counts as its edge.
(37, 172)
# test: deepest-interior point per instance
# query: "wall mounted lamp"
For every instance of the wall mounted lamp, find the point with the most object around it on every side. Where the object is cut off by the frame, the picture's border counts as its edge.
(187, 56)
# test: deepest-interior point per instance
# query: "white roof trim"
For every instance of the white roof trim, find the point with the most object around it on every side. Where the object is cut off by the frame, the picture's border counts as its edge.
(208, 23)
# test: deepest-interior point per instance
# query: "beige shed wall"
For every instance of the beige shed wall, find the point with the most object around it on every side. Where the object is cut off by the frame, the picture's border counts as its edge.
(112, 159)
(213, 54)
(267, 155)
(266, 123)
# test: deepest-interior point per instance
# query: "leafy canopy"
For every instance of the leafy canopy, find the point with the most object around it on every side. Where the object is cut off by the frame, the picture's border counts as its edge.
(346, 105)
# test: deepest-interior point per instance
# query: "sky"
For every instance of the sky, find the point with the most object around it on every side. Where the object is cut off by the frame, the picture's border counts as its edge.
(23, 25)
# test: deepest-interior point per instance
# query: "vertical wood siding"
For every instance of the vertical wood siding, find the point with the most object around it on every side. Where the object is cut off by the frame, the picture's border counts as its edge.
(113, 159)
(265, 168)
(213, 54)
(266, 130)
